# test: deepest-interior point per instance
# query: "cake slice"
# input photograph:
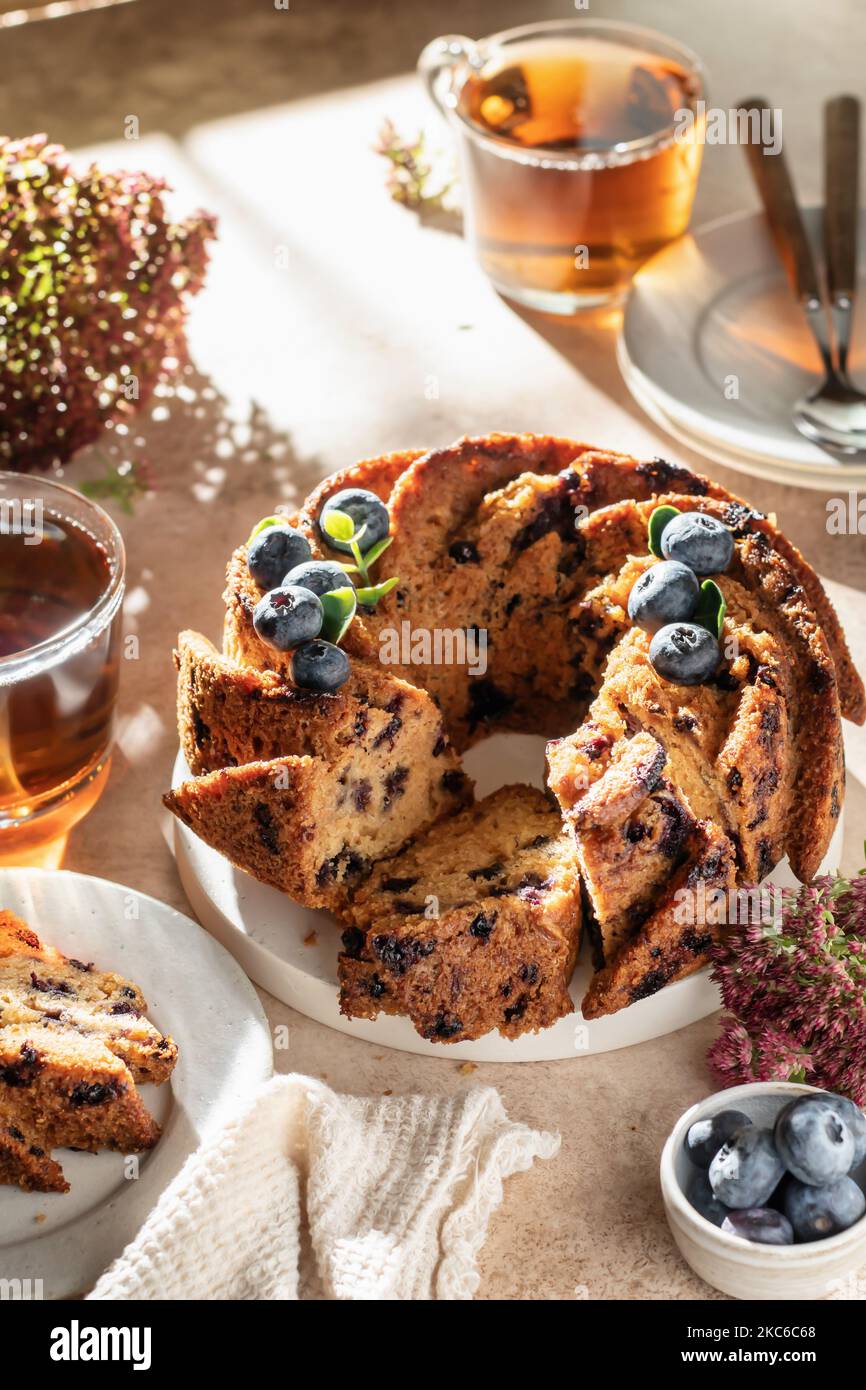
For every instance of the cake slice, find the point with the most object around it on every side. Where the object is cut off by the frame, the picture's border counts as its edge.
(474, 926)
(306, 791)
(23, 1162)
(40, 987)
(68, 1091)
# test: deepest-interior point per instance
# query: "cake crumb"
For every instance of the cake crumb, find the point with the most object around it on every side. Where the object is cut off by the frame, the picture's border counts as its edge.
(40, 1217)
(310, 939)
(466, 1068)
(387, 1093)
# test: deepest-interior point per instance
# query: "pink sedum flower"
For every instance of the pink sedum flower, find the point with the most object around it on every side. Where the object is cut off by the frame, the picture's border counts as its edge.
(795, 989)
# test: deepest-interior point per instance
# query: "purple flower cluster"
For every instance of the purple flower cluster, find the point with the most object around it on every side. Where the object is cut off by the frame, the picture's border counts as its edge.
(94, 279)
(796, 992)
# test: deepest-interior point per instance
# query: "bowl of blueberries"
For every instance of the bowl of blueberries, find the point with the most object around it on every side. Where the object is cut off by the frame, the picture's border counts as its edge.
(764, 1188)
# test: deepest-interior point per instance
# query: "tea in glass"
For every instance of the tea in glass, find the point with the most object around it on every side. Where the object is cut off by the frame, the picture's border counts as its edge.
(581, 143)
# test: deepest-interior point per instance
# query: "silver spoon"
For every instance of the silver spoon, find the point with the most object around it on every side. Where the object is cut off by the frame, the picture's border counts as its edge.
(834, 415)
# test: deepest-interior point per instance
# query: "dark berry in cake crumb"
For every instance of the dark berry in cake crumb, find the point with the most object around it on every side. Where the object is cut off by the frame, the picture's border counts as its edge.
(395, 785)
(319, 665)
(365, 509)
(398, 885)
(389, 732)
(665, 593)
(516, 1010)
(16, 1134)
(362, 793)
(482, 925)
(444, 1026)
(489, 872)
(685, 653)
(353, 942)
(699, 541)
(81, 965)
(274, 552)
(529, 974)
(464, 553)
(453, 781)
(93, 1093)
(125, 1007)
(267, 830)
(319, 576)
(439, 746)
(288, 616)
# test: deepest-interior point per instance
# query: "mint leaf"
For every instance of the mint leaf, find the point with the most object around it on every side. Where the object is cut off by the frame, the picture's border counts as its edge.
(376, 591)
(376, 550)
(263, 526)
(338, 525)
(659, 519)
(339, 606)
(711, 609)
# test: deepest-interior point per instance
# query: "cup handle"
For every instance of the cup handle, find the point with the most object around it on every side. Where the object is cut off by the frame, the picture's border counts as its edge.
(439, 58)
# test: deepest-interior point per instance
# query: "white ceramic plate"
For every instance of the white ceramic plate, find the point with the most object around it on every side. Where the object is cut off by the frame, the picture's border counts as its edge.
(713, 307)
(197, 993)
(292, 950)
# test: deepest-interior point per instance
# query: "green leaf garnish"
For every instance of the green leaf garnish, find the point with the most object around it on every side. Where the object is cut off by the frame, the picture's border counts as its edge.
(338, 525)
(376, 591)
(376, 550)
(339, 606)
(659, 519)
(263, 526)
(711, 609)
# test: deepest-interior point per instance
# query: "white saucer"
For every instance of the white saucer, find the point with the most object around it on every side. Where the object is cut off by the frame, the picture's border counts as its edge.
(292, 950)
(714, 307)
(62, 1242)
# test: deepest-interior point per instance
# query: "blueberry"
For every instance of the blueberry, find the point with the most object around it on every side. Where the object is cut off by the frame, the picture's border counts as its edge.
(819, 1212)
(685, 653)
(813, 1140)
(700, 1194)
(706, 1137)
(699, 541)
(320, 666)
(665, 593)
(365, 509)
(747, 1169)
(856, 1122)
(760, 1224)
(287, 616)
(319, 576)
(274, 551)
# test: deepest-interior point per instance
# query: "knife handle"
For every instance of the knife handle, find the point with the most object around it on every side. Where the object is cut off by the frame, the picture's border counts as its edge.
(773, 180)
(841, 177)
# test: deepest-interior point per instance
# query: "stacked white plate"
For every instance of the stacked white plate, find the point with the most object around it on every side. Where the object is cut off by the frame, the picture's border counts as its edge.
(715, 349)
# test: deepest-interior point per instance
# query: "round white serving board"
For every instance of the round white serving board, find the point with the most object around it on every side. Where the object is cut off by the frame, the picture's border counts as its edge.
(715, 348)
(197, 993)
(292, 950)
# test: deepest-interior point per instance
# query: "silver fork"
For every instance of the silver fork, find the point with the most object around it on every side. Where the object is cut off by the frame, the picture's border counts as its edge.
(833, 416)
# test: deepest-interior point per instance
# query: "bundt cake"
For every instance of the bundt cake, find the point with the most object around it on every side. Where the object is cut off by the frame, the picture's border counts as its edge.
(73, 1043)
(474, 926)
(534, 543)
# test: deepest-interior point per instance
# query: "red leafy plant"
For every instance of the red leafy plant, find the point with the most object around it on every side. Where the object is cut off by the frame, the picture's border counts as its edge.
(94, 284)
(796, 991)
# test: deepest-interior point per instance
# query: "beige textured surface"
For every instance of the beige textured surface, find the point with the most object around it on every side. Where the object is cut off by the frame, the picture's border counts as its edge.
(380, 334)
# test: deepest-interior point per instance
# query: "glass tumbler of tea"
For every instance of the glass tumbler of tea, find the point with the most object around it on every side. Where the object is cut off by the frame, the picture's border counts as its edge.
(580, 145)
(61, 591)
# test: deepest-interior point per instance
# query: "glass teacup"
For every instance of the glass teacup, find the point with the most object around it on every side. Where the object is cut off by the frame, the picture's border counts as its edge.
(580, 144)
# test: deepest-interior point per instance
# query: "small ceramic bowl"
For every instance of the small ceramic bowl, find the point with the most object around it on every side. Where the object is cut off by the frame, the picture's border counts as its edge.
(819, 1269)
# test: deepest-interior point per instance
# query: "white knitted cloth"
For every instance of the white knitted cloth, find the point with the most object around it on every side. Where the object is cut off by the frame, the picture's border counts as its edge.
(309, 1195)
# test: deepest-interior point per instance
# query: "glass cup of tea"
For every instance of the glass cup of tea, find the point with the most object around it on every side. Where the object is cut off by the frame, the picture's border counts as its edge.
(61, 590)
(580, 143)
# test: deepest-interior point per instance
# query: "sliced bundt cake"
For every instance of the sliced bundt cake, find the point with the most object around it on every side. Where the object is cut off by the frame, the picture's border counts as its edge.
(41, 987)
(23, 1161)
(71, 1092)
(474, 926)
(534, 545)
(306, 790)
(73, 1042)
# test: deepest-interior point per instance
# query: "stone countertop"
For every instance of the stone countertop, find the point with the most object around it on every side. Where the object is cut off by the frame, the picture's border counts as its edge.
(334, 325)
